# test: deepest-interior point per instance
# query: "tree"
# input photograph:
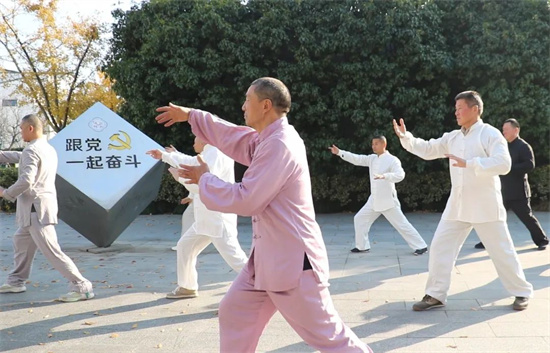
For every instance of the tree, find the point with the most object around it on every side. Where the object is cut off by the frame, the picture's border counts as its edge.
(58, 62)
(351, 67)
(10, 134)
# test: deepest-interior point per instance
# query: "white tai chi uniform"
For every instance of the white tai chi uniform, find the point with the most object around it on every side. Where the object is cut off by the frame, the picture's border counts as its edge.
(383, 199)
(475, 203)
(188, 216)
(209, 226)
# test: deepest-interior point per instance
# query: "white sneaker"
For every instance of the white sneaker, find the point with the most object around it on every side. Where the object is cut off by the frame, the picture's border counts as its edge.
(75, 297)
(175, 248)
(8, 288)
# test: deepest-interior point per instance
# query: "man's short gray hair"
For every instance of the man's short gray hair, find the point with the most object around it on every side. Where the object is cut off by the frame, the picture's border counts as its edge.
(34, 121)
(274, 90)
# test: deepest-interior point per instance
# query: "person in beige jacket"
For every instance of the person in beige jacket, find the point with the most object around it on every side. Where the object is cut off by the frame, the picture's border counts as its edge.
(36, 213)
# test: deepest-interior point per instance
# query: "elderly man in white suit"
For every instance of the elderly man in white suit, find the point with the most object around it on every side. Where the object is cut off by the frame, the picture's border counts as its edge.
(385, 170)
(209, 226)
(477, 154)
(36, 214)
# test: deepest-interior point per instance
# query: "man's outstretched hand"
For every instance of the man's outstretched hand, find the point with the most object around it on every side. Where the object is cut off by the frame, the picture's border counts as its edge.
(400, 129)
(172, 114)
(193, 173)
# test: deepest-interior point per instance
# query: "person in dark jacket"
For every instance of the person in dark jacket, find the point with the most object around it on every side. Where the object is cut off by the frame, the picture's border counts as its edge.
(516, 191)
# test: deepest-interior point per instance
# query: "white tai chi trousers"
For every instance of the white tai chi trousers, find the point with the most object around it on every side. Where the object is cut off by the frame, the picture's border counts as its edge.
(187, 218)
(447, 242)
(27, 240)
(366, 216)
(192, 244)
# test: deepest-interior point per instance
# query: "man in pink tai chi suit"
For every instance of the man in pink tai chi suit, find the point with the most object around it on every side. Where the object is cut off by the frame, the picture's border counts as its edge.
(288, 267)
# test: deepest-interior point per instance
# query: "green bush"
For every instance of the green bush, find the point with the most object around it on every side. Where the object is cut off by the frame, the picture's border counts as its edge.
(168, 198)
(417, 192)
(8, 176)
(539, 179)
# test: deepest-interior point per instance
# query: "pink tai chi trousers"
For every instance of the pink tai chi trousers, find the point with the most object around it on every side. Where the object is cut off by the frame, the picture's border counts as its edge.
(244, 313)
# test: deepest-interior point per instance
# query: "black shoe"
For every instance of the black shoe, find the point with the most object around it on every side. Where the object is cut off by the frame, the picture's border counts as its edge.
(479, 246)
(520, 303)
(357, 250)
(427, 303)
(542, 247)
(420, 251)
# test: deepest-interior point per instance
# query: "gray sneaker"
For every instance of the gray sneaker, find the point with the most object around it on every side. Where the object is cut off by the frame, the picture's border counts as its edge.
(75, 297)
(427, 303)
(8, 288)
(520, 303)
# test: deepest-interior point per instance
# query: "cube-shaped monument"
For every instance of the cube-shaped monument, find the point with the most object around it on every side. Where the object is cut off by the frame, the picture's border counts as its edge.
(104, 178)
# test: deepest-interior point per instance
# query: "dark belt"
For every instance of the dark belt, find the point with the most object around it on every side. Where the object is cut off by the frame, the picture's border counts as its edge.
(307, 264)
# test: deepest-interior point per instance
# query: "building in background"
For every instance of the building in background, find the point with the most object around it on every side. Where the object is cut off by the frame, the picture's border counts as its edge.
(12, 110)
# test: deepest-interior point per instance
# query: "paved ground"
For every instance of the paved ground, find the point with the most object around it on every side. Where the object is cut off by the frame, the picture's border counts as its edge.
(373, 293)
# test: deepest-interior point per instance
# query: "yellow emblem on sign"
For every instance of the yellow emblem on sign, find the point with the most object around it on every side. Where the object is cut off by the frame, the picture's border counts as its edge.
(124, 144)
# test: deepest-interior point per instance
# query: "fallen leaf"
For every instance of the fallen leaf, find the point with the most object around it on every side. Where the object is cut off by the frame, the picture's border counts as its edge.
(180, 329)
(88, 323)
(134, 326)
(86, 332)
(46, 316)
(30, 311)
(114, 335)
(50, 335)
(451, 346)
(159, 345)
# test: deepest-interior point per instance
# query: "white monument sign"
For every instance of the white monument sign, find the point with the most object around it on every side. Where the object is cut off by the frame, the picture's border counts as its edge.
(104, 177)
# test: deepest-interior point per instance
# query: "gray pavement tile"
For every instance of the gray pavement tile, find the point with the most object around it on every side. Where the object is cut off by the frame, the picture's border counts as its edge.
(372, 292)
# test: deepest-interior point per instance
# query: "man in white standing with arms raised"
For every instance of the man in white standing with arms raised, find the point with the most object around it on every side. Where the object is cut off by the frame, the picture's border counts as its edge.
(36, 214)
(210, 226)
(385, 170)
(477, 155)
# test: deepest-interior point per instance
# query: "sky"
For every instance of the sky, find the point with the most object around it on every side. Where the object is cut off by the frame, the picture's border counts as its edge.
(102, 8)
(97, 9)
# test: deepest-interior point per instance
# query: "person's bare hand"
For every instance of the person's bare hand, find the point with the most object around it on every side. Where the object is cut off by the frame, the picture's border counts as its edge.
(193, 173)
(334, 149)
(379, 176)
(400, 129)
(156, 154)
(174, 172)
(172, 114)
(170, 149)
(2, 191)
(186, 200)
(459, 162)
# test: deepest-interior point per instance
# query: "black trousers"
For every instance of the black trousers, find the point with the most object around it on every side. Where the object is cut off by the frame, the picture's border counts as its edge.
(522, 209)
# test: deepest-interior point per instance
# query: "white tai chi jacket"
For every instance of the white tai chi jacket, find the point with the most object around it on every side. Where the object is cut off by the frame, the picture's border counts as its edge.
(383, 194)
(475, 190)
(207, 222)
